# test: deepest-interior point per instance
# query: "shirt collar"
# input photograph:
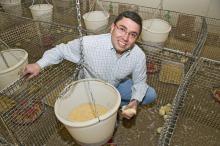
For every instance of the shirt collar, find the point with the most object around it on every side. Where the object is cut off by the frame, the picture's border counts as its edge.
(127, 52)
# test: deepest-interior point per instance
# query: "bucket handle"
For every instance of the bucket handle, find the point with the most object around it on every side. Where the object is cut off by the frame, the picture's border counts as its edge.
(102, 7)
(100, 4)
(2, 55)
(34, 1)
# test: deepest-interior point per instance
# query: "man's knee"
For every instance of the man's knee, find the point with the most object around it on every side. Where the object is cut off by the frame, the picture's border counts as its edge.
(150, 96)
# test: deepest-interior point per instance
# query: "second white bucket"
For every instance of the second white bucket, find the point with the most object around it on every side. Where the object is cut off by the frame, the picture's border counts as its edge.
(10, 2)
(95, 20)
(12, 6)
(42, 12)
(155, 30)
(16, 59)
(97, 131)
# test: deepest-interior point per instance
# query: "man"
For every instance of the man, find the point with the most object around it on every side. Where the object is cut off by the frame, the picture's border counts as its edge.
(113, 57)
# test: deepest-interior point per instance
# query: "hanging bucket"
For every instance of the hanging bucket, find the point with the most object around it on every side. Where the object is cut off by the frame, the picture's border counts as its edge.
(155, 30)
(17, 60)
(12, 6)
(10, 2)
(96, 131)
(42, 12)
(95, 20)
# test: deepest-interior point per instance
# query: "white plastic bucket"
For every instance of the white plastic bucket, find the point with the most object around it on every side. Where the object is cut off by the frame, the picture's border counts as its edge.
(155, 30)
(10, 2)
(12, 6)
(16, 59)
(42, 12)
(95, 20)
(92, 132)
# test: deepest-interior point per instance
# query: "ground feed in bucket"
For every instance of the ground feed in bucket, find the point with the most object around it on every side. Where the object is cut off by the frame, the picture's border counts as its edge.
(86, 111)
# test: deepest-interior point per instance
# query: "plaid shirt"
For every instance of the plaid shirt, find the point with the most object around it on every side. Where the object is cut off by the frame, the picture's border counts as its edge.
(103, 62)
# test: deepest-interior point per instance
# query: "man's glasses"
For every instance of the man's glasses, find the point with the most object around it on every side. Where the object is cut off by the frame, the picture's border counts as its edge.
(123, 31)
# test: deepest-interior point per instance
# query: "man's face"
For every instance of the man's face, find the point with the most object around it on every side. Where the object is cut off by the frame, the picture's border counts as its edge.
(124, 34)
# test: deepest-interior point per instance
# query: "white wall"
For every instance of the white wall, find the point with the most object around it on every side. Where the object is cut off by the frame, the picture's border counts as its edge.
(214, 9)
(209, 8)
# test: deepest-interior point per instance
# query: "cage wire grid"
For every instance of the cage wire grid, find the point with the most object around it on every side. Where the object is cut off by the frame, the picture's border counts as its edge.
(52, 80)
(63, 10)
(35, 37)
(167, 84)
(183, 36)
(29, 127)
(34, 91)
(195, 115)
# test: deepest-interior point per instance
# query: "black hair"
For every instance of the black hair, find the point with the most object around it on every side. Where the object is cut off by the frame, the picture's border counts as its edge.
(131, 15)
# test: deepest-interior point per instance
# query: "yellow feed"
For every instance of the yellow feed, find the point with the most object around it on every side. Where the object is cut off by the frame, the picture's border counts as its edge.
(85, 112)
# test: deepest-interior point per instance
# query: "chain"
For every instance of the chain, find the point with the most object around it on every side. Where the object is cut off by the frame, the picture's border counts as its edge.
(81, 62)
(81, 65)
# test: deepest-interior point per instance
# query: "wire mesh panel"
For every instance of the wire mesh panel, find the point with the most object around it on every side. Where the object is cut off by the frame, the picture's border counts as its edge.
(212, 46)
(184, 32)
(185, 28)
(34, 35)
(63, 10)
(187, 31)
(11, 6)
(7, 22)
(195, 116)
(31, 119)
(166, 71)
(26, 107)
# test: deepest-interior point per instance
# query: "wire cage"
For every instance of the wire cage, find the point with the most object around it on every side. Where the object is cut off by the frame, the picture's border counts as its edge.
(27, 112)
(27, 116)
(8, 22)
(194, 119)
(34, 35)
(186, 33)
(185, 28)
(180, 78)
(212, 45)
(23, 104)
(183, 36)
(63, 10)
(166, 72)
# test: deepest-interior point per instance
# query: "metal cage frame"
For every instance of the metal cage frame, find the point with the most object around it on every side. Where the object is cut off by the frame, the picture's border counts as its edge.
(35, 35)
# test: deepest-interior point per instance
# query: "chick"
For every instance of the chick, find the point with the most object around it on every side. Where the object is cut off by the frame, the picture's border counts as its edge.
(159, 129)
(165, 110)
(128, 111)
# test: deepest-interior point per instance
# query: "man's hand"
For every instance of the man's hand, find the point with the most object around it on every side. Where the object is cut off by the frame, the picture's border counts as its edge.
(130, 110)
(31, 70)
